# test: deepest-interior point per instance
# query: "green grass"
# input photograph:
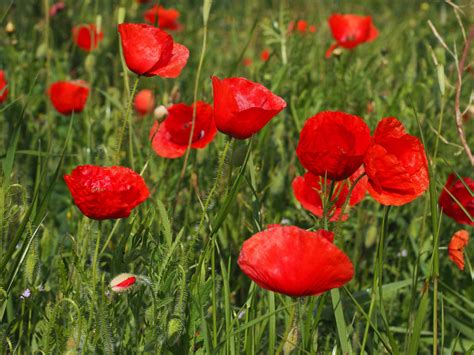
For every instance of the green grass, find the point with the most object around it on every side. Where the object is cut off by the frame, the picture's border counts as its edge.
(406, 295)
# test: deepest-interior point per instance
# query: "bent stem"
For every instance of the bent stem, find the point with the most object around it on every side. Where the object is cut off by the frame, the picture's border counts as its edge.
(126, 120)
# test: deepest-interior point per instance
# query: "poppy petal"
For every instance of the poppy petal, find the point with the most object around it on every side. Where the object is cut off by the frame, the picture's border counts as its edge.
(177, 62)
(295, 262)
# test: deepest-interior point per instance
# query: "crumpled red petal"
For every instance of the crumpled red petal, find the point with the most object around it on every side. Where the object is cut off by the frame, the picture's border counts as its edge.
(396, 165)
(333, 143)
(106, 192)
(448, 204)
(456, 246)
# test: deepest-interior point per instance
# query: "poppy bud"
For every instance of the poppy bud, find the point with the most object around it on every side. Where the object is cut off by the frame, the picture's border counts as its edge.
(10, 28)
(160, 113)
(123, 283)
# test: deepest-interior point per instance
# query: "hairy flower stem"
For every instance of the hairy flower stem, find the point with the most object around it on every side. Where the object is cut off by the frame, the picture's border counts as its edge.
(126, 119)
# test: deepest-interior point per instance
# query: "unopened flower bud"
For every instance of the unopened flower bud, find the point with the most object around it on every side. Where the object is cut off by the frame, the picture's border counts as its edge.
(160, 113)
(10, 28)
(123, 283)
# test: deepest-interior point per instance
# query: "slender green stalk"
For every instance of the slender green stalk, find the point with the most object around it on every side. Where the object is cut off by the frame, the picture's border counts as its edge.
(207, 8)
(126, 119)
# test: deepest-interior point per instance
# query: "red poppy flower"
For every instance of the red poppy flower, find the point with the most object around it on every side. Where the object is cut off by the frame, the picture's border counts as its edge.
(396, 165)
(150, 51)
(106, 192)
(308, 190)
(144, 102)
(456, 248)
(246, 62)
(167, 18)
(171, 137)
(68, 96)
(242, 107)
(87, 37)
(301, 26)
(265, 55)
(295, 262)
(333, 143)
(56, 8)
(351, 30)
(457, 189)
(3, 87)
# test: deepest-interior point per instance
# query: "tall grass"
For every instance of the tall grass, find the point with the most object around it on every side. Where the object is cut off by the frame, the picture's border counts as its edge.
(406, 295)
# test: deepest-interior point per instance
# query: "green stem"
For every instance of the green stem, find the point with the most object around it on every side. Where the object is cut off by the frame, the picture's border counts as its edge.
(126, 120)
(195, 98)
(95, 258)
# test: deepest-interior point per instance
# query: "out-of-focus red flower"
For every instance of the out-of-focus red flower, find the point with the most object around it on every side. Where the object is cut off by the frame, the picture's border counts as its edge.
(396, 165)
(167, 18)
(456, 248)
(308, 190)
(144, 102)
(242, 107)
(123, 282)
(295, 262)
(265, 55)
(171, 137)
(69, 96)
(150, 51)
(449, 205)
(56, 8)
(333, 143)
(246, 62)
(106, 192)
(351, 30)
(3, 87)
(301, 26)
(87, 37)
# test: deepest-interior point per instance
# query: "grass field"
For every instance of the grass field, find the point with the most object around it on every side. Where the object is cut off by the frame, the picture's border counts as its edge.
(183, 242)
